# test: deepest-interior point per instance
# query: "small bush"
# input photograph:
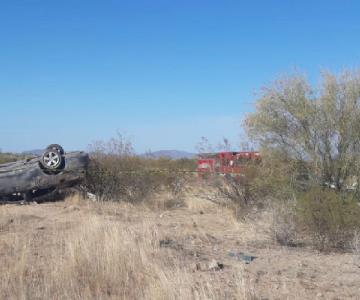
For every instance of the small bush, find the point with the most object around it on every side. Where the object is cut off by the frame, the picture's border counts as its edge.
(284, 225)
(330, 219)
(304, 212)
(240, 189)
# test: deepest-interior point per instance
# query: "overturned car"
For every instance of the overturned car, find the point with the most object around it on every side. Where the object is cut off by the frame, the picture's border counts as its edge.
(40, 176)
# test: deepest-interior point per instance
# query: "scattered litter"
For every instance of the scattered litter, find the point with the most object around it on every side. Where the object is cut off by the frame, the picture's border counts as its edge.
(91, 196)
(242, 256)
(215, 265)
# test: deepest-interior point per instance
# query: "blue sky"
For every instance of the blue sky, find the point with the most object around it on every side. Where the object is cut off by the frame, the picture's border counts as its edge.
(164, 72)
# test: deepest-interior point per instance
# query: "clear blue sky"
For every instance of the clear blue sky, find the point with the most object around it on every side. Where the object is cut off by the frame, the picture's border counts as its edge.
(165, 72)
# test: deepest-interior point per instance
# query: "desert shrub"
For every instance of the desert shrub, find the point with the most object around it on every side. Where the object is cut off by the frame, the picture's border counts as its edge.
(129, 178)
(329, 218)
(284, 226)
(238, 188)
(269, 182)
(9, 157)
(239, 191)
(116, 173)
(319, 217)
(120, 178)
(165, 163)
(309, 141)
(280, 176)
(275, 178)
(305, 213)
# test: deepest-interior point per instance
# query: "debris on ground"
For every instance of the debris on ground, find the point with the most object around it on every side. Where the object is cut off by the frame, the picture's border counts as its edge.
(91, 196)
(242, 256)
(215, 265)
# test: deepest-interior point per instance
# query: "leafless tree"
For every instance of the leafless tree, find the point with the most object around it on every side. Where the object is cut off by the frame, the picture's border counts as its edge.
(204, 146)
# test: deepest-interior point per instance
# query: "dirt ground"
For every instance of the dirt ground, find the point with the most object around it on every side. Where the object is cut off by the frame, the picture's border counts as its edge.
(205, 238)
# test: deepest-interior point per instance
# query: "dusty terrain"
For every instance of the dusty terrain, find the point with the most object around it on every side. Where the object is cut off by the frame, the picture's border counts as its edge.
(78, 249)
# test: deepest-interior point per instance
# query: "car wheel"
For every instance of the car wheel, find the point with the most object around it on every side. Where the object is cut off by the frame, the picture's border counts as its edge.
(56, 147)
(52, 160)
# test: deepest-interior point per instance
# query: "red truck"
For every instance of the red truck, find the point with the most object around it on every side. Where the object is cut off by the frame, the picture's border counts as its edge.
(225, 162)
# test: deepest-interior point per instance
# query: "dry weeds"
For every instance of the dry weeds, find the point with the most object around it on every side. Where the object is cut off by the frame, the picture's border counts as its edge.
(95, 251)
(83, 250)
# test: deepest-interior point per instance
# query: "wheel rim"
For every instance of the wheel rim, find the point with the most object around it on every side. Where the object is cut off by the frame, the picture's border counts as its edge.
(51, 159)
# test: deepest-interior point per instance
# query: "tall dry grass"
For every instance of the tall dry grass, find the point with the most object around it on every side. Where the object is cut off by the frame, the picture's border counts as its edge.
(101, 258)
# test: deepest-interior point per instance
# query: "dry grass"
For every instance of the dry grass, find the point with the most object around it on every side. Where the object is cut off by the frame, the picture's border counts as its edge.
(83, 250)
(101, 255)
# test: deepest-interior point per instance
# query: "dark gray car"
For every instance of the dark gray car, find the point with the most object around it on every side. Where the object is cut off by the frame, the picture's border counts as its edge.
(41, 175)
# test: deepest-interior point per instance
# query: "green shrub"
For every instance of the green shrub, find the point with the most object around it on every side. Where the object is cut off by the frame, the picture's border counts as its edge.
(328, 218)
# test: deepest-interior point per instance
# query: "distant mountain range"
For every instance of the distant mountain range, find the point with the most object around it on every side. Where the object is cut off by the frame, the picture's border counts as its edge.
(172, 154)
(33, 152)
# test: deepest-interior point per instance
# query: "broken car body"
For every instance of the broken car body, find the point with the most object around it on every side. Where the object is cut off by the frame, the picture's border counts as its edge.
(38, 176)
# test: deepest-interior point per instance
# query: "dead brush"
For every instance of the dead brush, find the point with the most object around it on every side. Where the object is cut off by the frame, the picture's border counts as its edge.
(283, 225)
(239, 191)
(102, 258)
(116, 173)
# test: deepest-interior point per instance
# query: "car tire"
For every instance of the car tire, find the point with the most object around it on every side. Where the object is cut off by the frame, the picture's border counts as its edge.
(56, 147)
(52, 160)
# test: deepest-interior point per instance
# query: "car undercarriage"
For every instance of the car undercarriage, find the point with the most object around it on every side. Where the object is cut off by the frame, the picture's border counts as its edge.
(37, 177)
